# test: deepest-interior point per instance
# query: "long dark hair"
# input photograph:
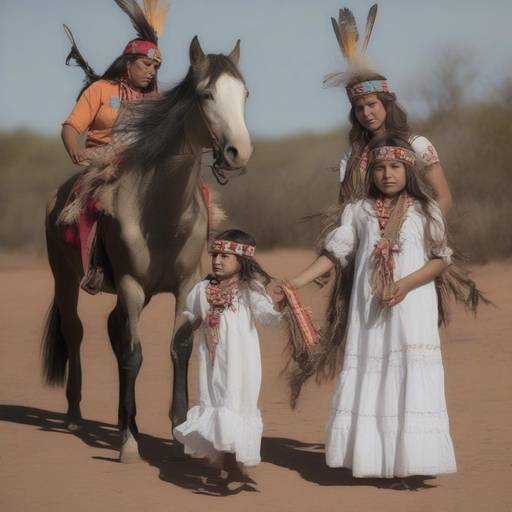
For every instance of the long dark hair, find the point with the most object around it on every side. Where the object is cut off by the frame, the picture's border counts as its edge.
(118, 70)
(250, 270)
(396, 117)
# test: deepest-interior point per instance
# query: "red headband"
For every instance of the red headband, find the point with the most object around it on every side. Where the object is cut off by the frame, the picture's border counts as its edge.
(228, 247)
(141, 47)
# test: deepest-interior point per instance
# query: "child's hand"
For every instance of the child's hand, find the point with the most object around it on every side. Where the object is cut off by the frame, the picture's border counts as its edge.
(401, 290)
(277, 292)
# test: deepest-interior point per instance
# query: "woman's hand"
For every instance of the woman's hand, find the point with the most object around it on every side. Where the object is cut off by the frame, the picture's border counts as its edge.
(76, 152)
(401, 289)
(79, 156)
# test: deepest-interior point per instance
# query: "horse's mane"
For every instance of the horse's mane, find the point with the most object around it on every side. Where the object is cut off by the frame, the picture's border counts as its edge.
(156, 127)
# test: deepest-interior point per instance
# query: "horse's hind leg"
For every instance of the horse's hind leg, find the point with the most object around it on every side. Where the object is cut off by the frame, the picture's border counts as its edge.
(64, 332)
(124, 337)
(73, 332)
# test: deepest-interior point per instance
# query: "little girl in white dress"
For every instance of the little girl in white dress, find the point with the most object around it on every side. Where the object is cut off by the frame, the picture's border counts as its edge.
(226, 424)
(388, 416)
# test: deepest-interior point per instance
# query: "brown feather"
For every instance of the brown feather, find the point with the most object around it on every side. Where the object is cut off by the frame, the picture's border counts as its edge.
(141, 24)
(370, 20)
(349, 33)
(338, 35)
(75, 55)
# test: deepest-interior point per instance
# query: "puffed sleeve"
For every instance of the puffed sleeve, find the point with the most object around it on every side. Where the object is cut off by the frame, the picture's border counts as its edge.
(425, 150)
(86, 108)
(438, 243)
(342, 241)
(193, 303)
(262, 306)
(343, 164)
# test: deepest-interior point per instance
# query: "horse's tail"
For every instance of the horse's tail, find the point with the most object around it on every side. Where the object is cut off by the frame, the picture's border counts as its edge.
(54, 349)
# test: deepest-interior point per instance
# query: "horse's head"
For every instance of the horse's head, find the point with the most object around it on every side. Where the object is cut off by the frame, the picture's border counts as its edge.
(221, 94)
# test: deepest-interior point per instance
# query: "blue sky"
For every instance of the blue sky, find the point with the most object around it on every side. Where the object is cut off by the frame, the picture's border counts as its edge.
(287, 47)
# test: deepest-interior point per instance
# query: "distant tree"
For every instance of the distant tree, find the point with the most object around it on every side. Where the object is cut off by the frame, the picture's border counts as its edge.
(447, 85)
(505, 92)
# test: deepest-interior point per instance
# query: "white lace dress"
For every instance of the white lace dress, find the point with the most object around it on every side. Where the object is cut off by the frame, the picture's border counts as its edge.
(388, 414)
(227, 418)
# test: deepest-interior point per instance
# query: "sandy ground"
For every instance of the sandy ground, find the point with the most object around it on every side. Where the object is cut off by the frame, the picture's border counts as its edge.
(44, 467)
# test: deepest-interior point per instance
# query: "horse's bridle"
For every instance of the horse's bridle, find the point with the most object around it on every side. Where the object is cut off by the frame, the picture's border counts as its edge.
(218, 170)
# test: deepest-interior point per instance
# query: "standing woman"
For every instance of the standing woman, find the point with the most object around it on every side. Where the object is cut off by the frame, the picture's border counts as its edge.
(132, 76)
(374, 112)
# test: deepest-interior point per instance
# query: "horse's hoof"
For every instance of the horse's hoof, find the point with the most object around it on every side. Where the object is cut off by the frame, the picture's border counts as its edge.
(129, 453)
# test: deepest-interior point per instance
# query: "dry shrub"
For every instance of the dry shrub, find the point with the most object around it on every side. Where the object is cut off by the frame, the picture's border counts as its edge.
(31, 167)
(294, 177)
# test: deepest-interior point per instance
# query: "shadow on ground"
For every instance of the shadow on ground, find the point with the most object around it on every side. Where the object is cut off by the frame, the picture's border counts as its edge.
(194, 474)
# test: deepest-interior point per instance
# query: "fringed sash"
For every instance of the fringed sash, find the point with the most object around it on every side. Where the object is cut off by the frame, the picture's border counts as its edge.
(382, 279)
(303, 338)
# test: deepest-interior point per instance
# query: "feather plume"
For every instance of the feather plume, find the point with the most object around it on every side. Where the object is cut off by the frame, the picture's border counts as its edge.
(76, 56)
(337, 33)
(370, 20)
(141, 24)
(156, 11)
(348, 33)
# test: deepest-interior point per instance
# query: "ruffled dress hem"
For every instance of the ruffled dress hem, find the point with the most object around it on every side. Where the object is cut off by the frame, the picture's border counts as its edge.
(380, 447)
(210, 430)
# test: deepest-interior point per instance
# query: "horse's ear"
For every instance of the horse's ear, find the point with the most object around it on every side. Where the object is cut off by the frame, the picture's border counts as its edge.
(196, 53)
(234, 56)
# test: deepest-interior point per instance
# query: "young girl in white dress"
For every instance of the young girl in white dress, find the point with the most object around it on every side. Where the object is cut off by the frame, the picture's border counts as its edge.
(226, 425)
(389, 415)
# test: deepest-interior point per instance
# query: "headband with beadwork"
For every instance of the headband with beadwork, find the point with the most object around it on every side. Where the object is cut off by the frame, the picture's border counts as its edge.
(367, 87)
(229, 247)
(354, 49)
(392, 153)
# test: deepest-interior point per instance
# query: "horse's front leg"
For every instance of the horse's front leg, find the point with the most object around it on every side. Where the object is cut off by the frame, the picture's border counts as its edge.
(124, 337)
(181, 348)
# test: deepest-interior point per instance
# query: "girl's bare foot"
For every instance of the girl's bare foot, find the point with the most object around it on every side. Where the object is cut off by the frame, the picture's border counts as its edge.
(234, 472)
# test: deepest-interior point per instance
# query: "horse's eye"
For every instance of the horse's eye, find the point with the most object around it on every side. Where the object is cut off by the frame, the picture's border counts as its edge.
(246, 94)
(207, 96)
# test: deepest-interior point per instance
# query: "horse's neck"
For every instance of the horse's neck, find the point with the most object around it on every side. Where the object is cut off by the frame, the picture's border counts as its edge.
(173, 187)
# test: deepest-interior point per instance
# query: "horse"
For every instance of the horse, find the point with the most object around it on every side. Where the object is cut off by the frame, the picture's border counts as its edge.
(155, 233)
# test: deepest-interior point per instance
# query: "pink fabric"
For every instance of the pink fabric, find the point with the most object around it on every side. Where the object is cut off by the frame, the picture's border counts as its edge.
(77, 235)
(71, 235)
(85, 224)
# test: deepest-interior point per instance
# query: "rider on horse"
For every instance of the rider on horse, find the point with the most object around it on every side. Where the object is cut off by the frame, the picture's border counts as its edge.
(131, 77)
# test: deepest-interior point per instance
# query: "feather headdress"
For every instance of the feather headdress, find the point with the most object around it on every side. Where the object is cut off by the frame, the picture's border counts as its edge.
(147, 21)
(347, 35)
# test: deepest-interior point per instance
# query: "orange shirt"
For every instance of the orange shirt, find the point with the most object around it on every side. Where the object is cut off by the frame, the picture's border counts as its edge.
(96, 111)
